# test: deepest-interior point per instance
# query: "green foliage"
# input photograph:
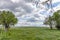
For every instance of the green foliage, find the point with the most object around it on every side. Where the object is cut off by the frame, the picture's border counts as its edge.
(7, 17)
(56, 17)
(48, 21)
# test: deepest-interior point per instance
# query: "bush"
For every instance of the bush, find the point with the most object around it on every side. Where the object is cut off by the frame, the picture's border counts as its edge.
(58, 27)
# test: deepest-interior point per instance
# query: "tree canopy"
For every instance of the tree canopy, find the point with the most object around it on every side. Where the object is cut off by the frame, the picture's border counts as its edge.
(56, 17)
(7, 18)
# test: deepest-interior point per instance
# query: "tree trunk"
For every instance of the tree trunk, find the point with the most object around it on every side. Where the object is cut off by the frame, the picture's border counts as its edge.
(6, 27)
(50, 25)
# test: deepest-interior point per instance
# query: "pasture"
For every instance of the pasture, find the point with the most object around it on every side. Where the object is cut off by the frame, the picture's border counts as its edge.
(30, 33)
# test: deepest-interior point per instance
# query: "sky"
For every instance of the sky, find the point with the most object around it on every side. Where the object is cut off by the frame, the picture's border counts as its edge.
(28, 12)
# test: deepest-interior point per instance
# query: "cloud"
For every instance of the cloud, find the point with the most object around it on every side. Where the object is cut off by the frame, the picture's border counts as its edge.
(27, 12)
(12, 6)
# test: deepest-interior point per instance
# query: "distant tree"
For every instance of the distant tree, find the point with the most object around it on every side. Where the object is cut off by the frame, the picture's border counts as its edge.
(7, 18)
(56, 17)
(48, 21)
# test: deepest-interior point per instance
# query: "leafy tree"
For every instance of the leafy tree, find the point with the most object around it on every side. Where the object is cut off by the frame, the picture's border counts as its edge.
(48, 21)
(56, 17)
(7, 18)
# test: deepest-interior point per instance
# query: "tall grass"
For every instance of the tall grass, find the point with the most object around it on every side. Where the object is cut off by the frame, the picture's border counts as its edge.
(30, 34)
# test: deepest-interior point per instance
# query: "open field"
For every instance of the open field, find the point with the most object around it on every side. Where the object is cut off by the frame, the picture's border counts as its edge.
(30, 34)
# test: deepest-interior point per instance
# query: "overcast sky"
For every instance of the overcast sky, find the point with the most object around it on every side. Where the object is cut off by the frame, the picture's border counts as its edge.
(27, 11)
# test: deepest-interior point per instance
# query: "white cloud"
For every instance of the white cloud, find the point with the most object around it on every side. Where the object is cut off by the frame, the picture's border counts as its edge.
(55, 1)
(26, 11)
(57, 8)
(15, 1)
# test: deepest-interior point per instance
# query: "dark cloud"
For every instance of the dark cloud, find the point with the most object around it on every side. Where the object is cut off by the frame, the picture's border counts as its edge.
(28, 0)
(5, 4)
(8, 4)
(32, 20)
(36, 15)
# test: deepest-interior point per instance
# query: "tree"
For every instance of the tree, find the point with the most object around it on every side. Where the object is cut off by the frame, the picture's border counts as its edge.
(7, 18)
(56, 17)
(48, 21)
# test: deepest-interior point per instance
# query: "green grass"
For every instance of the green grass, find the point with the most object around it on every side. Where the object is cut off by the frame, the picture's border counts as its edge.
(30, 34)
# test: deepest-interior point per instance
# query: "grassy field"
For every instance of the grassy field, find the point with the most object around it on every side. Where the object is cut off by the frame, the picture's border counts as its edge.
(30, 34)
